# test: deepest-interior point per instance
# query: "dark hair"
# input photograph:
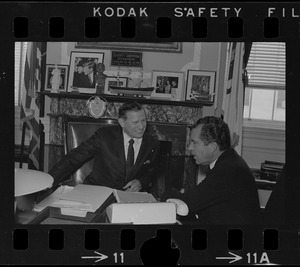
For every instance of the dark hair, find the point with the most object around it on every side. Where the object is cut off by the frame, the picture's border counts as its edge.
(129, 106)
(214, 130)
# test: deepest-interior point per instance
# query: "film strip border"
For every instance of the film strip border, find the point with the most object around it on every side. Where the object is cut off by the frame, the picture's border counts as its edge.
(132, 246)
(152, 22)
(164, 28)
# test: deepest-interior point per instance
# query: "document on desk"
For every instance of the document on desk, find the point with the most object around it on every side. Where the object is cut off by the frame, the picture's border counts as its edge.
(53, 199)
(133, 197)
(91, 197)
(76, 201)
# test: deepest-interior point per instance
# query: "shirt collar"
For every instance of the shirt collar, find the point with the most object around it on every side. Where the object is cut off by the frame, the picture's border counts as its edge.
(211, 165)
(127, 138)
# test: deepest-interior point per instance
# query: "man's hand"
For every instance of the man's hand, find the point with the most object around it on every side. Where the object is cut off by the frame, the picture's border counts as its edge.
(133, 186)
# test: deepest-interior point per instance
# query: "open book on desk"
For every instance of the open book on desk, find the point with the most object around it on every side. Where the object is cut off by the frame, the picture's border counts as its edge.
(133, 197)
(78, 200)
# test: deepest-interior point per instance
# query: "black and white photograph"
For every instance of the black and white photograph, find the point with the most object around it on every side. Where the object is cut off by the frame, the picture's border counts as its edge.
(178, 129)
(114, 81)
(167, 84)
(83, 70)
(182, 141)
(200, 85)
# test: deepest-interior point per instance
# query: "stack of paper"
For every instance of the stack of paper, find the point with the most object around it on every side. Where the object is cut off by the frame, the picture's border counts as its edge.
(53, 199)
(91, 197)
(76, 201)
(133, 197)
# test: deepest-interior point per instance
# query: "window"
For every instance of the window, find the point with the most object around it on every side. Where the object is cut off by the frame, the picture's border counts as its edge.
(20, 55)
(265, 93)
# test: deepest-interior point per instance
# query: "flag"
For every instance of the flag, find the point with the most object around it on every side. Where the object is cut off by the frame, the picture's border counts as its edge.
(233, 97)
(30, 105)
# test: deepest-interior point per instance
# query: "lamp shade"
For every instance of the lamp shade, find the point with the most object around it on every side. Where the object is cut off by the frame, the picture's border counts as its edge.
(31, 181)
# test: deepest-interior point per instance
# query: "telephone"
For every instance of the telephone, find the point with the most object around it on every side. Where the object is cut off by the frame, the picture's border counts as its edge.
(181, 207)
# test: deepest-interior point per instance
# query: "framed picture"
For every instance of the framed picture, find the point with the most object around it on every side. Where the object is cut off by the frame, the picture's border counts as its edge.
(114, 81)
(172, 47)
(167, 85)
(126, 59)
(83, 71)
(200, 85)
(63, 77)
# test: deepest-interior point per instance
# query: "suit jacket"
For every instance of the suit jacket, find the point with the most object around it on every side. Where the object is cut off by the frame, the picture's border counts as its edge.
(107, 148)
(228, 194)
(82, 80)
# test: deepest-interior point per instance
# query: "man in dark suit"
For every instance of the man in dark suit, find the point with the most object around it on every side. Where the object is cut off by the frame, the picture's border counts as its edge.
(228, 194)
(78, 74)
(88, 79)
(124, 156)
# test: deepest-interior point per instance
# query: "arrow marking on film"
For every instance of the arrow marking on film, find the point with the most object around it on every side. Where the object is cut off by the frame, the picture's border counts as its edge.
(235, 258)
(100, 257)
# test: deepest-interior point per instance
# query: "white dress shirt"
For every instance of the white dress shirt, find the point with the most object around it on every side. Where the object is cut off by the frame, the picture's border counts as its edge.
(136, 145)
(213, 164)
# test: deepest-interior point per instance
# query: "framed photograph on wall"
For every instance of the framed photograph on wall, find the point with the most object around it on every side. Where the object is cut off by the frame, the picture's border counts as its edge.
(63, 76)
(114, 81)
(167, 85)
(83, 71)
(200, 85)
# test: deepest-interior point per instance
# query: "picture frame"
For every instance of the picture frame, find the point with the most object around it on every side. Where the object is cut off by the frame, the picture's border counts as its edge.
(112, 80)
(63, 77)
(166, 47)
(126, 59)
(200, 86)
(83, 71)
(164, 83)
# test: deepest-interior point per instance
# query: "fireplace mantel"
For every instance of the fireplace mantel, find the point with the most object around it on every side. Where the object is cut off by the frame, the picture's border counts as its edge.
(142, 100)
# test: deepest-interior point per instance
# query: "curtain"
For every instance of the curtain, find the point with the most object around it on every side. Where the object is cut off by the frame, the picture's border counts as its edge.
(30, 105)
(233, 97)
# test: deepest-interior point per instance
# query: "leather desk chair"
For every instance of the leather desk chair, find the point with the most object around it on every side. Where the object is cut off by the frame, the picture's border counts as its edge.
(77, 130)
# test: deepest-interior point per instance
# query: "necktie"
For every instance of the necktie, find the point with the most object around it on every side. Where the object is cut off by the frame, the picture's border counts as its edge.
(130, 158)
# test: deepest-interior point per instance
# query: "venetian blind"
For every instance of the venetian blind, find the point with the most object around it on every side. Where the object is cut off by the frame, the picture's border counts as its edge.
(266, 65)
